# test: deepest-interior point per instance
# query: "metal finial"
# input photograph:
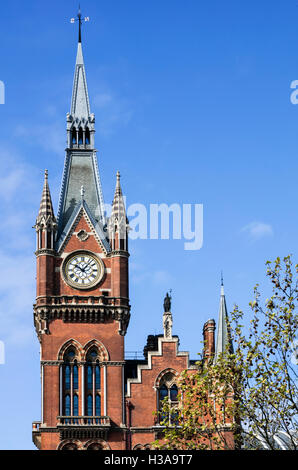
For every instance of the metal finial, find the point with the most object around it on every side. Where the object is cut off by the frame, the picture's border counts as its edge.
(80, 24)
(46, 173)
(82, 192)
(222, 291)
(80, 20)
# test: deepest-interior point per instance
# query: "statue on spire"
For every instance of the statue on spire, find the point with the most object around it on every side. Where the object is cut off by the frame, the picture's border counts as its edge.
(167, 317)
(167, 303)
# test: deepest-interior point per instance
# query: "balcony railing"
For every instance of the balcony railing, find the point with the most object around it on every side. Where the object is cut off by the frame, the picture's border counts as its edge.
(102, 421)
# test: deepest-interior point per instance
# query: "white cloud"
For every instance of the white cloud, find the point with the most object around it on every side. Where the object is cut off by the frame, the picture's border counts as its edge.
(258, 230)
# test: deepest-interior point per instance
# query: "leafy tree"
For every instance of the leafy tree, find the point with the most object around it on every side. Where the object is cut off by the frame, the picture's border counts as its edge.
(268, 401)
(204, 418)
(248, 397)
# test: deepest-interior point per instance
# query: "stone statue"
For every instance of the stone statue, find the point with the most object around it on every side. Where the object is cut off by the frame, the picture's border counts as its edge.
(167, 303)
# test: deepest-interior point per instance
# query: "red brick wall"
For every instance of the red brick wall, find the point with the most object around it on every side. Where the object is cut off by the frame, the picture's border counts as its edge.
(143, 396)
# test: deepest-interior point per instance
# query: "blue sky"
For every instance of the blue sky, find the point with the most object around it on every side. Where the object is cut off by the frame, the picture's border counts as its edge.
(192, 104)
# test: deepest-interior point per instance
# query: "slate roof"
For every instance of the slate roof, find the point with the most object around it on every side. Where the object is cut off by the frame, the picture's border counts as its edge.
(46, 213)
(80, 167)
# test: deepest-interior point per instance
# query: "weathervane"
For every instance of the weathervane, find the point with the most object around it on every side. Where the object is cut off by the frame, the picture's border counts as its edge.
(80, 20)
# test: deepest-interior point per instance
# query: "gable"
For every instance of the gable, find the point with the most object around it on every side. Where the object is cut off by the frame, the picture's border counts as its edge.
(82, 232)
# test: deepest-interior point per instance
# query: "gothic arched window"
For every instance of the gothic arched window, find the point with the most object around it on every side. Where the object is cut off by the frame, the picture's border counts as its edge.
(167, 390)
(93, 383)
(70, 383)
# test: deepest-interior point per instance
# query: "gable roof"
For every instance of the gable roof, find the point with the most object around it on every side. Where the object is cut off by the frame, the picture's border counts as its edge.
(79, 211)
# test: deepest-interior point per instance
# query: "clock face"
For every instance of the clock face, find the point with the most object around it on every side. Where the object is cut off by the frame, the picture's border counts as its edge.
(83, 270)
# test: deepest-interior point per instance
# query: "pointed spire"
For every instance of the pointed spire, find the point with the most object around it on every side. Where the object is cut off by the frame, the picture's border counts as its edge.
(46, 217)
(80, 106)
(118, 206)
(118, 222)
(80, 168)
(223, 340)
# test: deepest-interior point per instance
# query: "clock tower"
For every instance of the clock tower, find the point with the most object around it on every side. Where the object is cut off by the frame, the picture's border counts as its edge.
(92, 397)
(82, 309)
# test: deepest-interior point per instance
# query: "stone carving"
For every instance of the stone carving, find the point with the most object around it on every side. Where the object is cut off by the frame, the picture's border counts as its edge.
(82, 235)
(167, 325)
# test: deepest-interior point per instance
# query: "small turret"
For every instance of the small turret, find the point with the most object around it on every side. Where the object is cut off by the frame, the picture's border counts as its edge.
(118, 222)
(46, 224)
(45, 227)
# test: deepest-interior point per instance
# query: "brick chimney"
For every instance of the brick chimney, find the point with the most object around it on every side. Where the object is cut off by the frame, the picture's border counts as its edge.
(209, 342)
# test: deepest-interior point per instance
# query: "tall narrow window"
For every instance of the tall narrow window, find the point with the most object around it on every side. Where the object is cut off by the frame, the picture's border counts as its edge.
(89, 377)
(80, 136)
(98, 405)
(168, 390)
(74, 136)
(97, 377)
(93, 383)
(173, 393)
(67, 405)
(70, 384)
(67, 377)
(75, 405)
(75, 377)
(87, 136)
(89, 405)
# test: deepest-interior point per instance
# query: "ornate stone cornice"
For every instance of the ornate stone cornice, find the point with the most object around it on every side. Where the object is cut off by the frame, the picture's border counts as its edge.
(80, 313)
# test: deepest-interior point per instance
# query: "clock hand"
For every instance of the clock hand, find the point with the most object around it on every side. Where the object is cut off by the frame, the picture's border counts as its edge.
(79, 267)
(87, 263)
